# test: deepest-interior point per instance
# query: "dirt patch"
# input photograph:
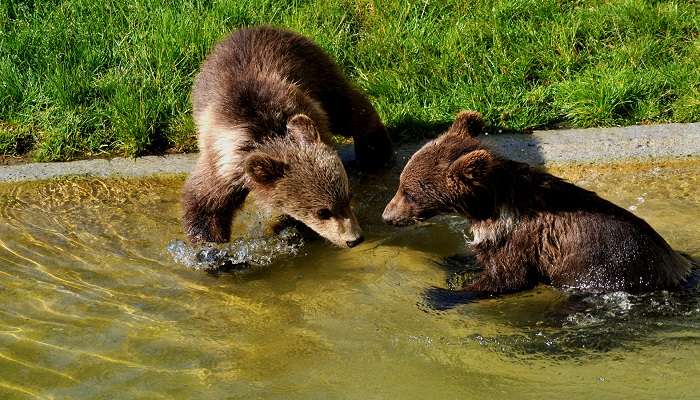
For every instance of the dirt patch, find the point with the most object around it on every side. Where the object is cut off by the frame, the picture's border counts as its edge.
(14, 160)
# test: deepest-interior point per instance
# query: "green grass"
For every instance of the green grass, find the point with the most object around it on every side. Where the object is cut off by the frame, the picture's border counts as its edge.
(81, 78)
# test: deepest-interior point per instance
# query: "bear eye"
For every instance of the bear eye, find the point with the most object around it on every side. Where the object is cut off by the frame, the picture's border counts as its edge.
(324, 213)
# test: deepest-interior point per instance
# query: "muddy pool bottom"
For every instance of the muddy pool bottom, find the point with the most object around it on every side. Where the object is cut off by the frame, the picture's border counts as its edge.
(97, 303)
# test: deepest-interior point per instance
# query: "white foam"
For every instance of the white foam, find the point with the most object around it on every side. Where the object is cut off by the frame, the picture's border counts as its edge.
(244, 252)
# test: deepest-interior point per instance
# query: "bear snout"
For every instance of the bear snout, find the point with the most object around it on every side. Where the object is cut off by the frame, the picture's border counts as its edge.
(353, 230)
(395, 212)
(388, 217)
(355, 242)
(343, 232)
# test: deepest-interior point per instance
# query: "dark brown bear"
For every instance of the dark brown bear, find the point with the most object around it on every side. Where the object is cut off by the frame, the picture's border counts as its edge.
(265, 102)
(528, 226)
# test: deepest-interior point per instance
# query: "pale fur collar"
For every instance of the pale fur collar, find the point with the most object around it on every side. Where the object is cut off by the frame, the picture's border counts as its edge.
(493, 230)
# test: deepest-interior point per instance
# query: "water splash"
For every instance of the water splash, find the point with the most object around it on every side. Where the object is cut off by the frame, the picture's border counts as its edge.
(457, 224)
(600, 308)
(586, 325)
(638, 202)
(241, 254)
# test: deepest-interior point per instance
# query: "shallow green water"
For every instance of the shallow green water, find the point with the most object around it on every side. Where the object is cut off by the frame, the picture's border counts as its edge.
(92, 305)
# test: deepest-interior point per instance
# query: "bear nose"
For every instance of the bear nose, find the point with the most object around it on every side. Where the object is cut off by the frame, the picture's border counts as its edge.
(388, 217)
(353, 243)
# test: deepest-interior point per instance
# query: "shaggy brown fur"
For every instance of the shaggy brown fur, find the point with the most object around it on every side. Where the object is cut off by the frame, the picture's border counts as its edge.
(265, 102)
(528, 225)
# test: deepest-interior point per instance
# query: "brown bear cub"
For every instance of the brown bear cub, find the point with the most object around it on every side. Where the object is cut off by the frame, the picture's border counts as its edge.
(528, 226)
(265, 102)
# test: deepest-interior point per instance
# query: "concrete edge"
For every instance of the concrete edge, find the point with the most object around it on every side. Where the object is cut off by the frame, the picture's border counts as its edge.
(578, 146)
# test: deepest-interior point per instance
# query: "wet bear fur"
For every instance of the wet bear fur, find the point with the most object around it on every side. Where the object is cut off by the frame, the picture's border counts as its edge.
(529, 226)
(265, 102)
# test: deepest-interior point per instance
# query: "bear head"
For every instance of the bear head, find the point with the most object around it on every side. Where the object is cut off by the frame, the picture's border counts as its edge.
(304, 178)
(452, 173)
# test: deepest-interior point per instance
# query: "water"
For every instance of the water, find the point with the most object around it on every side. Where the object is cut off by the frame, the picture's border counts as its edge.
(244, 255)
(99, 300)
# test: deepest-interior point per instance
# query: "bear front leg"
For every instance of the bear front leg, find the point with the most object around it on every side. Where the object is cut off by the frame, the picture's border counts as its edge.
(501, 279)
(352, 115)
(495, 280)
(373, 148)
(208, 216)
(209, 206)
(442, 299)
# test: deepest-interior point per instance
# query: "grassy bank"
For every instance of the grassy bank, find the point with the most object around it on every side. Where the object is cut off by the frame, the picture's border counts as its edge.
(83, 78)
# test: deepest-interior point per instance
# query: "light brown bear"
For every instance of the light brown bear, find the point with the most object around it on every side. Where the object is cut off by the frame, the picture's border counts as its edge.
(265, 102)
(528, 226)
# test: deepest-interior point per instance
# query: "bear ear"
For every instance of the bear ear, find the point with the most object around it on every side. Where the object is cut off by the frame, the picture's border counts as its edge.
(468, 124)
(303, 129)
(471, 166)
(263, 169)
